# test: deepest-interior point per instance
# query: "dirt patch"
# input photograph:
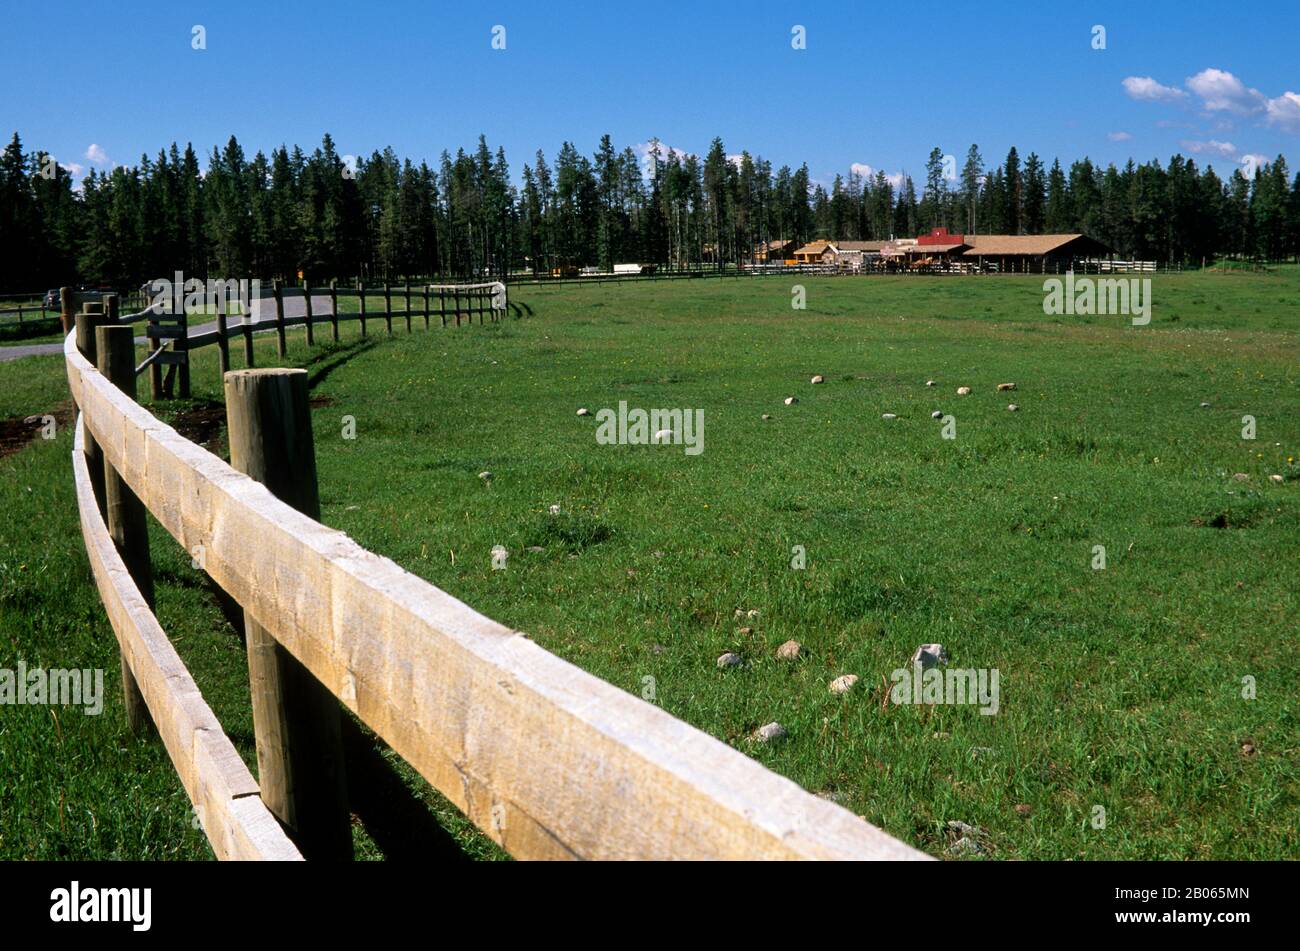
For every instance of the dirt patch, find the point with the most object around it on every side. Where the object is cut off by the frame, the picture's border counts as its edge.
(316, 402)
(17, 431)
(202, 424)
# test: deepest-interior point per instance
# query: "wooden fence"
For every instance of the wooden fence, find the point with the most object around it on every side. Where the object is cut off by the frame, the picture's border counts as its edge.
(547, 760)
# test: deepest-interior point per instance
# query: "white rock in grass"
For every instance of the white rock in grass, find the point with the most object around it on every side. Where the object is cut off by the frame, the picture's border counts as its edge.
(791, 400)
(937, 414)
(1013, 407)
(889, 416)
(818, 379)
(929, 655)
(1241, 477)
(583, 411)
(1205, 406)
(753, 613)
(963, 391)
(1003, 387)
(767, 415)
(728, 659)
(1275, 477)
(929, 382)
(769, 732)
(554, 510)
(843, 684)
(789, 651)
(485, 476)
(663, 435)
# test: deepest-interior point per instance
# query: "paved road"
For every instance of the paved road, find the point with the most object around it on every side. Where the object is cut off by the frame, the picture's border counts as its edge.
(263, 313)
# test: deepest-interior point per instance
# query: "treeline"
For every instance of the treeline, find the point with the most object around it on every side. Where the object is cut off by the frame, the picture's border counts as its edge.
(385, 217)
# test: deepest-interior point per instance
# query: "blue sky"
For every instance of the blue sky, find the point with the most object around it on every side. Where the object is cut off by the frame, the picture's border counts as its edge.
(878, 85)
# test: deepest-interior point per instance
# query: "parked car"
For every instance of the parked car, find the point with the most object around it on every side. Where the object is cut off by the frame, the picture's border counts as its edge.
(52, 300)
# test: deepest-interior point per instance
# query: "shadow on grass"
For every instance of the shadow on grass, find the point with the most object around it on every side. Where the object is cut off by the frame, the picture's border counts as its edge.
(326, 363)
(398, 821)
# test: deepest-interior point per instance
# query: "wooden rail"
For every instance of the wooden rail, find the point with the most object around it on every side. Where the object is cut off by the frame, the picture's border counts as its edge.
(223, 791)
(546, 759)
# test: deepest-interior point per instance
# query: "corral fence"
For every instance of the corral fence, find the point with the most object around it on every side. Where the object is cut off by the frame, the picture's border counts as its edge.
(547, 760)
(262, 307)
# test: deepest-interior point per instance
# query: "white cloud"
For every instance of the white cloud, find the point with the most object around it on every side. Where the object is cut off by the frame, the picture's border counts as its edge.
(1212, 147)
(1146, 89)
(96, 154)
(72, 168)
(1220, 91)
(869, 172)
(1284, 111)
(1118, 136)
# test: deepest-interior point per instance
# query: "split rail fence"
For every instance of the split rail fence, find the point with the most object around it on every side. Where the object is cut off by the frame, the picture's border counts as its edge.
(549, 761)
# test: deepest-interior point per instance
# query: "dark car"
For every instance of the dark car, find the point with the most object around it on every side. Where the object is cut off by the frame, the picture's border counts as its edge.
(51, 299)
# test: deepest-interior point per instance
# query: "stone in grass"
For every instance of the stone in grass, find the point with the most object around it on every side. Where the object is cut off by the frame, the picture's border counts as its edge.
(1003, 387)
(663, 435)
(535, 549)
(789, 651)
(818, 379)
(1024, 810)
(770, 732)
(843, 684)
(968, 839)
(554, 510)
(963, 391)
(937, 414)
(1205, 406)
(791, 400)
(767, 415)
(1275, 477)
(929, 382)
(930, 655)
(1013, 407)
(728, 659)
(583, 411)
(485, 476)
(1241, 477)
(889, 416)
(963, 847)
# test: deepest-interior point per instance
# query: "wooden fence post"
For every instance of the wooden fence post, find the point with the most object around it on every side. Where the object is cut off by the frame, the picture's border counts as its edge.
(295, 719)
(408, 307)
(426, 306)
(456, 292)
(66, 305)
(223, 345)
(278, 286)
(247, 325)
(124, 512)
(334, 308)
(442, 306)
(306, 297)
(86, 322)
(361, 292)
(388, 306)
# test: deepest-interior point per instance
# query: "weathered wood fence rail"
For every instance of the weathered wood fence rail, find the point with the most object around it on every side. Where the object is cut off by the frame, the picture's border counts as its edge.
(546, 759)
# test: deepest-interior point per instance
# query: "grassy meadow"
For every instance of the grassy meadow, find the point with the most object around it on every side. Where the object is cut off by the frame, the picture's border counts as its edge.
(1120, 687)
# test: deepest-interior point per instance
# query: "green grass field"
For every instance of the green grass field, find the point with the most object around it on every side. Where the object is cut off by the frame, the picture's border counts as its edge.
(1120, 688)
